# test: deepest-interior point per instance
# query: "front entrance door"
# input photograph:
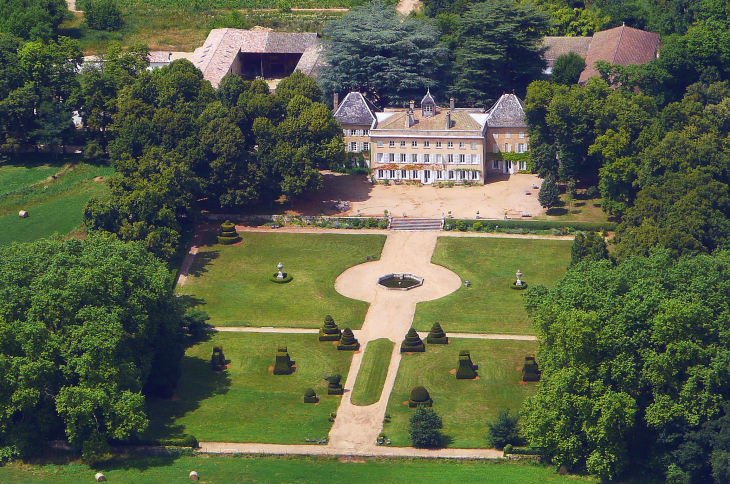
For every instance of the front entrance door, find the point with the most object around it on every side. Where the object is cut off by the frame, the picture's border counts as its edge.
(426, 176)
(508, 168)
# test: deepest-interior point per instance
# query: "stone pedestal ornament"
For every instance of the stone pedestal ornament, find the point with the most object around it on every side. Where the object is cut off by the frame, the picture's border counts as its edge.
(519, 278)
(193, 476)
(280, 275)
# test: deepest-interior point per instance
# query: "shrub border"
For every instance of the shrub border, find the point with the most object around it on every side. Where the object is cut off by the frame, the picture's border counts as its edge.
(287, 278)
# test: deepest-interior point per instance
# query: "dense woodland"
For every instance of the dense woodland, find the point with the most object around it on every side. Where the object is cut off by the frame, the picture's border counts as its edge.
(633, 341)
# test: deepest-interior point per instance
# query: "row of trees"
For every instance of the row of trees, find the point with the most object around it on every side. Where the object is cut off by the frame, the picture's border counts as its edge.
(179, 143)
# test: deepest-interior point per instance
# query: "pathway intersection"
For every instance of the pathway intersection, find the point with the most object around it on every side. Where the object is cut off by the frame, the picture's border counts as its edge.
(390, 315)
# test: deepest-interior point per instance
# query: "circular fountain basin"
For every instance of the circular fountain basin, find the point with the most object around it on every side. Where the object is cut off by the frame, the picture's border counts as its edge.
(400, 281)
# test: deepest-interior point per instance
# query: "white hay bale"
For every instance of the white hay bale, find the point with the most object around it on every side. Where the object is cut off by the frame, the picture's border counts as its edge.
(23, 214)
(193, 476)
(100, 477)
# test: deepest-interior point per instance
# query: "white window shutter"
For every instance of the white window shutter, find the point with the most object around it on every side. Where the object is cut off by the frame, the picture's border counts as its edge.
(476, 159)
(468, 159)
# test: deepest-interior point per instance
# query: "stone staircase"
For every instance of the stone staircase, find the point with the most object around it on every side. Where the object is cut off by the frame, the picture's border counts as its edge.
(416, 224)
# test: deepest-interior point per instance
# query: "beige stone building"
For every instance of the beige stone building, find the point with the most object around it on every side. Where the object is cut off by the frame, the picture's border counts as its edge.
(429, 143)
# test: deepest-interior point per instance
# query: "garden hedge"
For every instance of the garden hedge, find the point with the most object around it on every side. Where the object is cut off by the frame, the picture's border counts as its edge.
(489, 225)
(420, 396)
(348, 341)
(437, 336)
(412, 343)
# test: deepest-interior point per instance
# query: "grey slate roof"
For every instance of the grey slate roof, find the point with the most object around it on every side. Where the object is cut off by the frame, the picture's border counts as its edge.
(355, 109)
(428, 98)
(507, 112)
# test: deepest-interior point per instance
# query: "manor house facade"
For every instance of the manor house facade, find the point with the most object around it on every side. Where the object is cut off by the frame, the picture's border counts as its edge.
(429, 143)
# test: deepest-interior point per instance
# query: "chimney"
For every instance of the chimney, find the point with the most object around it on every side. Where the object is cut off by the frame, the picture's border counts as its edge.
(410, 120)
(413, 105)
(336, 101)
(451, 103)
(448, 118)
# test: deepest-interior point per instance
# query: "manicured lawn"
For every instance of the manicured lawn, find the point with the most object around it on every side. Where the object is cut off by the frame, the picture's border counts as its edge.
(372, 373)
(489, 305)
(247, 402)
(304, 470)
(232, 282)
(55, 206)
(583, 209)
(464, 405)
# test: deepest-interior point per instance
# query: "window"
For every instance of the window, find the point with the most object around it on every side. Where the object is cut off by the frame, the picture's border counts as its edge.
(402, 144)
(380, 144)
(462, 175)
(439, 159)
(476, 159)
(521, 134)
(462, 158)
(428, 108)
(425, 159)
(426, 144)
(439, 175)
(404, 173)
(402, 157)
(391, 157)
(414, 144)
(391, 144)
(506, 148)
(415, 174)
(520, 148)
(474, 175)
(353, 146)
(468, 159)
(353, 132)
(379, 158)
(508, 134)
(449, 158)
(521, 165)
(495, 134)
(450, 144)
(380, 173)
(366, 146)
(495, 164)
(438, 144)
(473, 145)
(392, 174)
(451, 174)
(366, 132)
(461, 145)
(495, 148)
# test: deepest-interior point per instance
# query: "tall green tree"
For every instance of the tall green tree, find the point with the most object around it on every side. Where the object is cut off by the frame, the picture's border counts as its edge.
(567, 69)
(88, 327)
(375, 50)
(498, 49)
(32, 19)
(549, 194)
(102, 14)
(633, 360)
(425, 427)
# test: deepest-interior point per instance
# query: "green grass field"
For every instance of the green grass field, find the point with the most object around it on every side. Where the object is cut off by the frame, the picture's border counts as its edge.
(302, 470)
(465, 405)
(247, 402)
(489, 305)
(232, 282)
(55, 206)
(372, 373)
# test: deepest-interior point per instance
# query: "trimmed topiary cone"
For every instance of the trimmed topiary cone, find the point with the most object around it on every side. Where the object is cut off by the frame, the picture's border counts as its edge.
(437, 336)
(466, 367)
(330, 331)
(310, 396)
(348, 341)
(283, 365)
(420, 396)
(228, 234)
(530, 372)
(217, 359)
(334, 387)
(412, 343)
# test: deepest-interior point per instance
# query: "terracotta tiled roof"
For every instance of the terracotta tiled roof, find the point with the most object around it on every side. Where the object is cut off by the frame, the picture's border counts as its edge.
(459, 121)
(507, 112)
(311, 60)
(220, 49)
(621, 45)
(557, 46)
(355, 109)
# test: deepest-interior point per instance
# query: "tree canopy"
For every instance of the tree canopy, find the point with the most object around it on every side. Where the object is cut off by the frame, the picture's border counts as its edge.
(32, 19)
(88, 326)
(634, 361)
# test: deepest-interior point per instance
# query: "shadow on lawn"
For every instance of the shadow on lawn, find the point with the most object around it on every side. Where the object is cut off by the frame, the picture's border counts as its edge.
(202, 261)
(198, 383)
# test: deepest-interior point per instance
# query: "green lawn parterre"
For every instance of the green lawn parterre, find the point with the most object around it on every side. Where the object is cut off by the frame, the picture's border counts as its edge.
(247, 402)
(280, 470)
(55, 206)
(372, 373)
(464, 405)
(489, 305)
(232, 283)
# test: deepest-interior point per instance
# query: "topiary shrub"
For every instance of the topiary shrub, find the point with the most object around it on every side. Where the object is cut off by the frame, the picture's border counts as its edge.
(334, 386)
(518, 288)
(466, 367)
(228, 234)
(412, 343)
(310, 396)
(437, 336)
(425, 428)
(348, 341)
(504, 431)
(530, 371)
(420, 396)
(283, 365)
(330, 331)
(287, 278)
(217, 359)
